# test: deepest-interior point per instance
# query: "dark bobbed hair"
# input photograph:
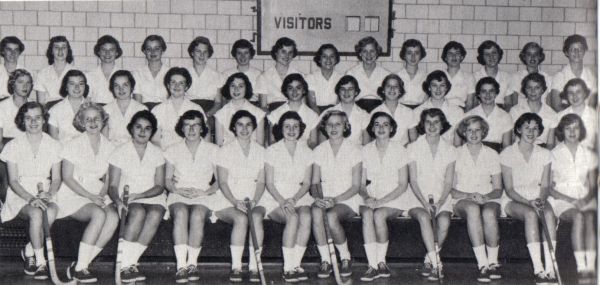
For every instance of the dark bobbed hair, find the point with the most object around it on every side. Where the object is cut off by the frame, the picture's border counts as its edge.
(241, 114)
(283, 42)
(73, 73)
(107, 39)
(321, 50)
(567, 120)
(291, 78)
(11, 40)
(487, 45)
(433, 112)
(331, 113)
(20, 117)
(412, 43)
(289, 115)
(146, 115)
(532, 45)
(436, 75)
(574, 82)
(50, 54)
(158, 38)
(487, 80)
(391, 76)
(242, 44)
(177, 71)
(575, 38)
(535, 77)
(453, 45)
(363, 43)
(345, 80)
(375, 116)
(190, 115)
(14, 76)
(526, 118)
(200, 40)
(79, 120)
(120, 73)
(461, 130)
(225, 89)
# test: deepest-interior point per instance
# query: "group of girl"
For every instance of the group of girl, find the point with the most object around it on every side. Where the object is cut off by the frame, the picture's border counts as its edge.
(379, 148)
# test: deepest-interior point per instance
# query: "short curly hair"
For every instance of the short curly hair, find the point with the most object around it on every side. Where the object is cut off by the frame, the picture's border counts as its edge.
(575, 38)
(345, 80)
(283, 42)
(328, 114)
(190, 115)
(375, 116)
(73, 73)
(363, 43)
(291, 78)
(567, 120)
(158, 38)
(200, 40)
(391, 76)
(487, 80)
(528, 46)
(436, 75)
(146, 115)
(575, 82)
(108, 39)
(14, 76)
(321, 50)
(79, 118)
(119, 73)
(535, 77)
(241, 114)
(461, 130)
(50, 54)
(412, 43)
(177, 71)
(432, 113)
(242, 44)
(20, 117)
(453, 45)
(11, 40)
(526, 118)
(487, 45)
(226, 93)
(289, 115)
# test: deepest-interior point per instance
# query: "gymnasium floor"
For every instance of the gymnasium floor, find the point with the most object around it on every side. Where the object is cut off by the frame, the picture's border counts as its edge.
(216, 273)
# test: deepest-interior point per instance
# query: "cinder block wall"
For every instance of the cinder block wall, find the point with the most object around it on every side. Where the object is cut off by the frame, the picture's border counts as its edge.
(511, 23)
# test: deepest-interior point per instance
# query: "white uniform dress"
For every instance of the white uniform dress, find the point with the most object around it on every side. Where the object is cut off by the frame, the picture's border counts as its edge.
(515, 84)
(4, 74)
(570, 175)
(33, 169)
(117, 121)
(336, 170)
(368, 84)
(151, 88)
(8, 112)
(288, 174)
(167, 118)
(499, 122)
(61, 117)
(590, 120)
(431, 170)
(452, 112)
(463, 84)
(502, 77)
(138, 174)
(383, 172)
(527, 175)
(269, 83)
(324, 88)
(88, 169)
(414, 87)
(224, 116)
(242, 172)
(561, 78)
(308, 116)
(99, 85)
(253, 73)
(404, 118)
(48, 81)
(205, 85)
(359, 120)
(549, 118)
(193, 170)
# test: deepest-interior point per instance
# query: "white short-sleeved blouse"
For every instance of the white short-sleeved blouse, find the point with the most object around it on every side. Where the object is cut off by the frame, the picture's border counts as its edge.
(61, 117)
(368, 84)
(99, 86)
(117, 121)
(590, 120)
(151, 88)
(224, 117)
(167, 117)
(561, 78)
(8, 112)
(527, 175)
(359, 120)
(269, 83)
(499, 122)
(413, 86)
(549, 118)
(570, 173)
(47, 80)
(474, 175)
(324, 88)
(205, 85)
(463, 84)
(382, 172)
(308, 116)
(404, 118)
(453, 113)
(242, 170)
(431, 170)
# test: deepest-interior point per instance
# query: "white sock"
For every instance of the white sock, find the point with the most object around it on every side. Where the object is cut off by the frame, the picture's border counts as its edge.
(83, 256)
(236, 256)
(580, 260)
(193, 254)
(139, 250)
(536, 259)
(324, 253)
(95, 251)
(252, 265)
(180, 255)
(480, 255)
(371, 251)
(28, 250)
(126, 253)
(40, 259)
(548, 258)
(343, 249)
(590, 260)
(427, 259)
(288, 256)
(432, 257)
(382, 251)
(298, 255)
(492, 254)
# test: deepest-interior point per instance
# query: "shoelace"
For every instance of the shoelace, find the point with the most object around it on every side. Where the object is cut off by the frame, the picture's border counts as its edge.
(85, 271)
(30, 261)
(370, 270)
(324, 266)
(41, 268)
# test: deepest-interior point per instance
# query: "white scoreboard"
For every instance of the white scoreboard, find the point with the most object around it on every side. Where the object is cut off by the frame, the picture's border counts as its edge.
(311, 23)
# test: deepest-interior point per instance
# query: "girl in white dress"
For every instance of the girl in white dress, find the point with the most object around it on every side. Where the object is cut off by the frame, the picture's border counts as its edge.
(412, 53)
(205, 81)
(489, 55)
(83, 194)
(323, 80)
(108, 50)
(149, 78)
(337, 171)
(476, 194)
(190, 166)
(32, 158)
(74, 89)
(11, 49)
(576, 92)
(574, 173)
(241, 175)
(288, 169)
(532, 55)
(431, 171)
(139, 165)
(243, 51)
(385, 181)
(526, 171)
(463, 92)
(269, 83)
(60, 59)
(122, 108)
(295, 89)
(238, 90)
(177, 81)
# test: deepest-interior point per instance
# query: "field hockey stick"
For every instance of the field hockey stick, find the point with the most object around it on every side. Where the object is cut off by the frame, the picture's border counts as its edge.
(122, 222)
(542, 217)
(256, 252)
(49, 248)
(435, 236)
(330, 245)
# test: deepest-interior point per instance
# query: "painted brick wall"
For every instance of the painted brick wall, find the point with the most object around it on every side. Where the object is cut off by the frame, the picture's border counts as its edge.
(511, 23)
